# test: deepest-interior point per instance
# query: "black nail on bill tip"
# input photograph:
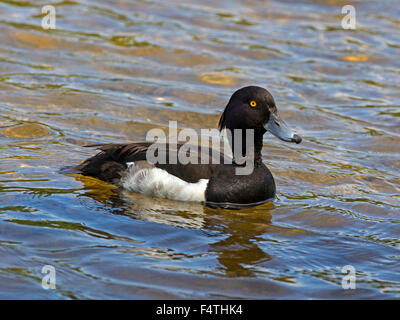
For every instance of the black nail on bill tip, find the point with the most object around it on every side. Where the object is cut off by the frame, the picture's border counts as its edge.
(296, 138)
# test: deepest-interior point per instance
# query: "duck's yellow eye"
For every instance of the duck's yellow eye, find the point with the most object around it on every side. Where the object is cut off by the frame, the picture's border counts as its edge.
(253, 103)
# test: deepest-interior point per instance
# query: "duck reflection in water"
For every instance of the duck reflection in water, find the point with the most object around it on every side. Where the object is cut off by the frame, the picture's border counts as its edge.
(237, 233)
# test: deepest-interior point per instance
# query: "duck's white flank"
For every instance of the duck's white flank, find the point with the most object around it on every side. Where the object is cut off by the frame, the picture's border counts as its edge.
(159, 183)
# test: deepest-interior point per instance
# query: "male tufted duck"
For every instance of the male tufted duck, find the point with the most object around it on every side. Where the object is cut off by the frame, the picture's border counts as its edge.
(216, 185)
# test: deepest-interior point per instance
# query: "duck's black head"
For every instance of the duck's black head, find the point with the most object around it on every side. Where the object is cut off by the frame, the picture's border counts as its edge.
(254, 108)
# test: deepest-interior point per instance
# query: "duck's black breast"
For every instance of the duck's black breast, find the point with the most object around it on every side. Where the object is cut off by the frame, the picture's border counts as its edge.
(228, 187)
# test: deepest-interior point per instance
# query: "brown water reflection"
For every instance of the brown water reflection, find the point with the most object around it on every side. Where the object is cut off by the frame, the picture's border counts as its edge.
(242, 227)
(112, 70)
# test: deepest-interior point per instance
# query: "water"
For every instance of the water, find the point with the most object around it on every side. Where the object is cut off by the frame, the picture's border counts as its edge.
(112, 70)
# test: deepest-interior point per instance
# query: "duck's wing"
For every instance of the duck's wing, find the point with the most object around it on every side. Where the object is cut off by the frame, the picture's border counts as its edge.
(111, 163)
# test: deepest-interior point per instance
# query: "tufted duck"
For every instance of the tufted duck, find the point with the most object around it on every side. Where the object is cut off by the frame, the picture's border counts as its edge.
(216, 185)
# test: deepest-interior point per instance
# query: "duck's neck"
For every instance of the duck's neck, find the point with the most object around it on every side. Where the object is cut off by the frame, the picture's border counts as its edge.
(246, 144)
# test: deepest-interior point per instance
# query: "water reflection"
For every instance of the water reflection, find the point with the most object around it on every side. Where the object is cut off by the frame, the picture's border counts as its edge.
(237, 249)
(239, 252)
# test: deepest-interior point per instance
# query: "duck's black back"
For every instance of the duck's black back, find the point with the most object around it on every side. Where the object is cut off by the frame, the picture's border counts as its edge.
(111, 163)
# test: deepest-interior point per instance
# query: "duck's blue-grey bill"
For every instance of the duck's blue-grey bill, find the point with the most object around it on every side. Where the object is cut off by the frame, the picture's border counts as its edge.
(279, 129)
